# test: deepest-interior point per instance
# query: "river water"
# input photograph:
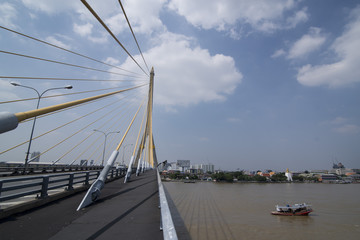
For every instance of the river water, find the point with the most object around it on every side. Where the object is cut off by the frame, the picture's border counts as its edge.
(207, 210)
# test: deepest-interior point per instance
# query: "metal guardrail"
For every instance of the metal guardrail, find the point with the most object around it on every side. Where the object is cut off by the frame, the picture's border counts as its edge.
(167, 225)
(36, 168)
(44, 183)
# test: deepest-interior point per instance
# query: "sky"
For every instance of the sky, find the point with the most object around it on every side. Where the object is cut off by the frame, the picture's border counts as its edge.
(253, 85)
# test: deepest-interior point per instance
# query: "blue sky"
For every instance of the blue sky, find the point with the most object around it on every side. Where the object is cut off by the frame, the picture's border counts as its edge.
(240, 84)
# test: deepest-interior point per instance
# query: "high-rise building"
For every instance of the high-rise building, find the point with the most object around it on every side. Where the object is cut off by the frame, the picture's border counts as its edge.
(204, 167)
(183, 165)
(35, 156)
(208, 168)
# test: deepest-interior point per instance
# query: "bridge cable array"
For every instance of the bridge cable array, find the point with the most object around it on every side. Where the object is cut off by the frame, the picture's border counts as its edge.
(64, 63)
(59, 95)
(64, 108)
(67, 50)
(61, 126)
(109, 31)
(137, 44)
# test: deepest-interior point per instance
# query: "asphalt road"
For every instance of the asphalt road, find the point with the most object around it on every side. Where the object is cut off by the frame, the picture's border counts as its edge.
(123, 211)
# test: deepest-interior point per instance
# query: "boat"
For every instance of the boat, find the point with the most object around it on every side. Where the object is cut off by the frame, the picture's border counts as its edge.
(189, 181)
(298, 209)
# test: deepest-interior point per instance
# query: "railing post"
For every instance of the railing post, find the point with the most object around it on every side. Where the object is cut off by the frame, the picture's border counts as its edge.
(112, 173)
(1, 184)
(44, 187)
(71, 182)
(87, 178)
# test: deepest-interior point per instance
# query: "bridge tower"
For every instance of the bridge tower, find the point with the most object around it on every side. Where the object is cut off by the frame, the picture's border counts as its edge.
(95, 190)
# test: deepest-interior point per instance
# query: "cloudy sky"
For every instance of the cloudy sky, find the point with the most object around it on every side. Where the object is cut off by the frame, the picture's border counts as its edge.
(263, 84)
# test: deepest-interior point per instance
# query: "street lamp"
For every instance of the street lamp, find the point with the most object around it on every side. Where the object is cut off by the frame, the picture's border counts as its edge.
(37, 106)
(105, 134)
(124, 153)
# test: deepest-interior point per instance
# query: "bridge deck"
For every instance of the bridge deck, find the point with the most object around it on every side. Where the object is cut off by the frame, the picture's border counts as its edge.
(123, 211)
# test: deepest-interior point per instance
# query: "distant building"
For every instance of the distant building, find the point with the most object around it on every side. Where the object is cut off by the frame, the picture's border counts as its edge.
(204, 168)
(35, 156)
(208, 168)
(340, 171)
(183, 165)
(356, 177)
(326, 178)
(318, 172)
(265, 173)
(173, 166)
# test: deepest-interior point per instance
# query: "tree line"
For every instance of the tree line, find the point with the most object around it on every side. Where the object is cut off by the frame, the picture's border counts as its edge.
(240, 176)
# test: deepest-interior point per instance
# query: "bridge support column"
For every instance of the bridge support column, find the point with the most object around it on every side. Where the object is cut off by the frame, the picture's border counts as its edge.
(128, 173)
(138, 169)
(94, 191)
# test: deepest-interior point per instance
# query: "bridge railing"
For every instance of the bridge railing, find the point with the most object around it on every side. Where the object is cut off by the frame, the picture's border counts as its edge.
(166, 224)
(41, 185)
(7, 169)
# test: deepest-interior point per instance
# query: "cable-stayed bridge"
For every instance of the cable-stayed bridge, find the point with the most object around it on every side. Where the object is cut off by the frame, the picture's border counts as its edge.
(80, 111)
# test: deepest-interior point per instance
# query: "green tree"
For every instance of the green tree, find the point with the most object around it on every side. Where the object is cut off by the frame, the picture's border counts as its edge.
(298, 178)
(279, 177)
(229, 177)
(259, 178)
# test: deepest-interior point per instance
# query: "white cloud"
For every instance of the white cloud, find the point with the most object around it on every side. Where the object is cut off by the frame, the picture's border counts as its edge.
(307, 43)
(83, 30)
(186, 74)
(5, 90)
(278, 53)
(144, 16)
(8, 15)
(112, 61)
(339, 120)
(101, 39)
(86, 30)
(348, 129)
(262, 15)
(233, 120)
(346, 70)
(117, 23)
(52, 6)
(342, 125)
(300, 16)
(53, 40)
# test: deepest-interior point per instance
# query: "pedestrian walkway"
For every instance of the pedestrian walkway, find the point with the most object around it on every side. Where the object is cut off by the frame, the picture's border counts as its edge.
(123, 211)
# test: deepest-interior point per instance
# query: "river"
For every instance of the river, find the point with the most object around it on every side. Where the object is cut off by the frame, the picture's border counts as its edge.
(207, 210)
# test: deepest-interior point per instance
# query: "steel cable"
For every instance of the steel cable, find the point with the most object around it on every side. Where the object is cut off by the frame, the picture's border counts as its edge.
(67, 50)
(63, 63)
(111, 119)
(59, 127)
(133, 35)
(109, 31)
